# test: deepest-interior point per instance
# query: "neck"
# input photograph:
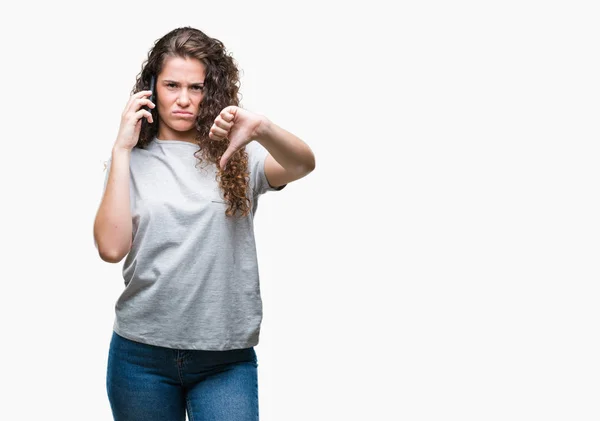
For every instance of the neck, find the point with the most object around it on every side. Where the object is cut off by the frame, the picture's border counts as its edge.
(167, 133)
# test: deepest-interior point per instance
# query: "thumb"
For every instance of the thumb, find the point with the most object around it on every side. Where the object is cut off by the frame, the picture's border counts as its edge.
(138, 128)
(225, 158)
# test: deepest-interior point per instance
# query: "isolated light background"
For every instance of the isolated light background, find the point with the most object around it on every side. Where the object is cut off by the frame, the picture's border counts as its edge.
(441, 262)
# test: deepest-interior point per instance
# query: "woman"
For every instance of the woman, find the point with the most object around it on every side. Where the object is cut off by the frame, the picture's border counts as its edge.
(189, 317)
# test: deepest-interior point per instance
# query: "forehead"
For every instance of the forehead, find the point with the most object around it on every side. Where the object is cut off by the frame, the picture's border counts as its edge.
(183, 69)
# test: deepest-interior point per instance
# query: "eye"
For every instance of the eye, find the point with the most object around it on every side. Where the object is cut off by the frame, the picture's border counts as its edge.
(171, 85)
(199, 87)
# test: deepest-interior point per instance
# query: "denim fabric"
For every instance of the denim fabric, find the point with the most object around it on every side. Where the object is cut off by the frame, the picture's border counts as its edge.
(147, 383)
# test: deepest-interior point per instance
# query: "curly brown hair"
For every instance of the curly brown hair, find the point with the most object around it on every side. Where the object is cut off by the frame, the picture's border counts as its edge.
(221, 89)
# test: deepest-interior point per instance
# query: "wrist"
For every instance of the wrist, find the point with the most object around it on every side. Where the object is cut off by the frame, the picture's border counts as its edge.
(264, 129)
(119, 150)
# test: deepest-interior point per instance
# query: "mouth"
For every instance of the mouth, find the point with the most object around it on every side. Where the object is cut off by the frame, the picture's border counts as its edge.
(184, 114)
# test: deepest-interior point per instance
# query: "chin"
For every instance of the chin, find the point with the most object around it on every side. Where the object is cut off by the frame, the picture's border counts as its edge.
(180, 126)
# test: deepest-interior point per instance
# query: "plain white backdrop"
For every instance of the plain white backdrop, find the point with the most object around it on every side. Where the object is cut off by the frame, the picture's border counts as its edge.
(440, 263)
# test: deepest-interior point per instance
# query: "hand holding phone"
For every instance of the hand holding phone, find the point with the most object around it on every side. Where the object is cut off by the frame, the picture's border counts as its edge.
(133, 118)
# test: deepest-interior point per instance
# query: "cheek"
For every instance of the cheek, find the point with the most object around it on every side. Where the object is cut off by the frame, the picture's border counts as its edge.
(164, 104)
(165, 99)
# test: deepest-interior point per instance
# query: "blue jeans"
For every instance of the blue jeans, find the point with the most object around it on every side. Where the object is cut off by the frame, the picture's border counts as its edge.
(147, 383)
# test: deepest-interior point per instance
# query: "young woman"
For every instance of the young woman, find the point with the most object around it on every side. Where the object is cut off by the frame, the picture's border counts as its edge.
(179, 200)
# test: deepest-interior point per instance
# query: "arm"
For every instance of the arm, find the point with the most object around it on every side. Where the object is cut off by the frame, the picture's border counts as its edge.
(289, 157)
(113, 226)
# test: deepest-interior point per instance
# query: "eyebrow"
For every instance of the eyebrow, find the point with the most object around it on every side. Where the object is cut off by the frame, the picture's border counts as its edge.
(173, 81)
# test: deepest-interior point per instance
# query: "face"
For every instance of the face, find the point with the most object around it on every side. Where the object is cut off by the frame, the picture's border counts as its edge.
(179, 91)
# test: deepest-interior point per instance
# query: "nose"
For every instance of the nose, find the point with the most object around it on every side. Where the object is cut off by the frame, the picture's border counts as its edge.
(183, 99)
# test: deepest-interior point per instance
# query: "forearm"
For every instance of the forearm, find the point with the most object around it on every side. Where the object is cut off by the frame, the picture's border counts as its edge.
(287, 149)
(113, 226)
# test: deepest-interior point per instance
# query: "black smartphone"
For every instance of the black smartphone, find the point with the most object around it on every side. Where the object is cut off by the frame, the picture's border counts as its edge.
(153, 89)
(151, 98)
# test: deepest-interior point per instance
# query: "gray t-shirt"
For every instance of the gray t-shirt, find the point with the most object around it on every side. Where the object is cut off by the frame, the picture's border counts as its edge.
(191, 277)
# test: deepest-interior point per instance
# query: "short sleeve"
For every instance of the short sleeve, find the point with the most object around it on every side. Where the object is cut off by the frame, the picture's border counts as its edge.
(256, 165)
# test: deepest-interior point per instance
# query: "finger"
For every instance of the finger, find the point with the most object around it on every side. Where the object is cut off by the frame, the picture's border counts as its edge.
(144, 114)
(145, 101)
(228, 113)
(217, 132)
(141, 94)
(213, 136)
(223, 165)
(138, 95)
(135, 104)
(219, 122)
